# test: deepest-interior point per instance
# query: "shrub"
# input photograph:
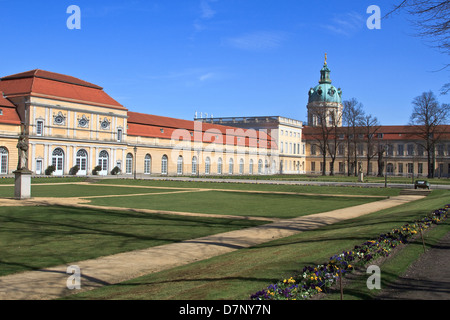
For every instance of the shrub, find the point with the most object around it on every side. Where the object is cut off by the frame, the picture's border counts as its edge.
(96, 170)
(50, 169)
(74, 170)
(115, 171)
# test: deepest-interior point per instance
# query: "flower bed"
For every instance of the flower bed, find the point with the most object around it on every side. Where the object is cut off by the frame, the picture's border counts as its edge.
(316, 279)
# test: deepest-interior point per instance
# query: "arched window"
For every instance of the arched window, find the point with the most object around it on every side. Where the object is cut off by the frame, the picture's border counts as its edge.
(58, 161)
(250, 168)
(147, 164)
(241, 166)
(219, 166)
(194, 165)
(103, 162)
(164, 164)
(81, 161)
(207, 165)
(230, 166)
(260, 166)
(180, 165)
(390, 168)
(3, 160)
(129, 164)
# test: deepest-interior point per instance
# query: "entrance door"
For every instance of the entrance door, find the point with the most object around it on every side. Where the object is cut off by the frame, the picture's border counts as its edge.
(103, 161)
(58, 161)
(81, 162)
(39, 166)
(3, 161)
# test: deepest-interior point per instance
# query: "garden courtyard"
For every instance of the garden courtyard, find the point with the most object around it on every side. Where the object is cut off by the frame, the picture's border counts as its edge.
(164, 240)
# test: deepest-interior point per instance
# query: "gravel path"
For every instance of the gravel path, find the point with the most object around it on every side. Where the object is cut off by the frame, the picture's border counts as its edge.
(428, 278)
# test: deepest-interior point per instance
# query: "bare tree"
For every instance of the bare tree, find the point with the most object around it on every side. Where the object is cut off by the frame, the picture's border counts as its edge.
(431, 19)
(334, 139)
(370, 126)
(427, 117)
(322, 134)
(352, 118)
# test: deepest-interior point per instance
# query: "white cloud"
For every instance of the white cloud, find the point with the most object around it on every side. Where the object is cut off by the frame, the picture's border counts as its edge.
(206, 76)
(206, 11)
(259, 40)
(346, 24)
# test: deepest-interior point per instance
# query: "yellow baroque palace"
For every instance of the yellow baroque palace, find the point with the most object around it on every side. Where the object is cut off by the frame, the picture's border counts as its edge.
(74, 128)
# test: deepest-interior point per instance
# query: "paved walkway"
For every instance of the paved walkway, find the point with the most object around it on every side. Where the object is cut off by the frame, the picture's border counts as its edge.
(51, 283)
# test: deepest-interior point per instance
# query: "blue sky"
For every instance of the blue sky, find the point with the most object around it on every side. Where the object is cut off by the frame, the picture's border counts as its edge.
(225, 57)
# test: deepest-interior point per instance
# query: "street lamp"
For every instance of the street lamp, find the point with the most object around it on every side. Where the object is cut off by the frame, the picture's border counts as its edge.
(385, 165)
(135, 160)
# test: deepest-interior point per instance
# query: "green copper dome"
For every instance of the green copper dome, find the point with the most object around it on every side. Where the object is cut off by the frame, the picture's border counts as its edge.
(325, 91)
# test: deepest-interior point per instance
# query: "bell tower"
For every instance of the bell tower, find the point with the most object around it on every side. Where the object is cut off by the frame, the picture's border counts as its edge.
(325, 101)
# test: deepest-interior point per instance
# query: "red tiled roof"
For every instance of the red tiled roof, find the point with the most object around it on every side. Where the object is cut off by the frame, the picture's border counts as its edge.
(5, 102)
(9, 113)
(146, 125)
(52, 85)
(400, 132)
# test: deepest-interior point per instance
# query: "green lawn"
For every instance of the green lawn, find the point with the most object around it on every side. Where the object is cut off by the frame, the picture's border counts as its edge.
(37, 237)
(335, 178)
(237, 275)
(73, 190)
(342, 190)
(235, 203)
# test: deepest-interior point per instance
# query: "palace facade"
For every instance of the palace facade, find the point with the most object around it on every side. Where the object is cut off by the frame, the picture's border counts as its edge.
(75, 127)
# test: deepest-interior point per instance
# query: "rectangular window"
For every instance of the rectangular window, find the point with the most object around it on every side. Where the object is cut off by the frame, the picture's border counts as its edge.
(420, 150)
(440, 150)
(39, 128)
(420, 168)
(3, 162)
(410, 168)
(119, 135)
(360, 149)
(129, 165)
(400, 168)
(38, 166)
(410, 149)
(313, 166)
(401, 150)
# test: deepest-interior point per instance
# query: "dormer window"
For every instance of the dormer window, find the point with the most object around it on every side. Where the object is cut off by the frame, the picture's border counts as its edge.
(1, 112)
(162, 130)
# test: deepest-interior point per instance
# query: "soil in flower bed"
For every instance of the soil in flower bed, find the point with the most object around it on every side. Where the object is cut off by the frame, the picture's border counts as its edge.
(425, 279)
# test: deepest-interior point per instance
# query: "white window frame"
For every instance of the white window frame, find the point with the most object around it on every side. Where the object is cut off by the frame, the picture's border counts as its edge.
(40, 128)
